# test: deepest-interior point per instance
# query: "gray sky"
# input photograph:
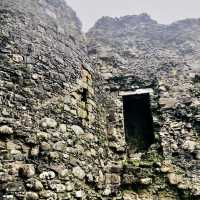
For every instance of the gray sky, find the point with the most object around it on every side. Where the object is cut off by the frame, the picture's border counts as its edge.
(164, 11)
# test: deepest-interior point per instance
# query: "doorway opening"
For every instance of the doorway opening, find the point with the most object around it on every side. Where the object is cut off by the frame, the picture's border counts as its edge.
(84, 95)
(138, 121)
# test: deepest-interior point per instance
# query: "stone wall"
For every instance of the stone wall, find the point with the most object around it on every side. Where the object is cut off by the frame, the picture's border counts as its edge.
(168, 169)
(61, 114)
(52, 124)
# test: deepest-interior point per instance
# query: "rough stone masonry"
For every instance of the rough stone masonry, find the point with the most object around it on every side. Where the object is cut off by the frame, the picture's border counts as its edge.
(62, 133)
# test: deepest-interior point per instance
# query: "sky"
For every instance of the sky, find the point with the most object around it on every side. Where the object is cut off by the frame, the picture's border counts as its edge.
(163, 11)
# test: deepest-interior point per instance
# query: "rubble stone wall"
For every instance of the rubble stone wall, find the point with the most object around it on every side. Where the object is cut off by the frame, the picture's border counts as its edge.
(169, 168)
(52, 124)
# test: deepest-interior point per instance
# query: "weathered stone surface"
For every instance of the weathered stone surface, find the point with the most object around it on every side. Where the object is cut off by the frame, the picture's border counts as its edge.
(48, 123)
(79, 194)
(146, 181)
(59, 188)
(34, 184)
(69, 186)
(6, 130)
(174, 179)
(130, 196)
(35, 151)
(168, 102)
(78, 172)
(60, 146)
(189, 145)
(77, 130)
(47, 175)
(48, 194)
(31, 196)
(17, 58)
(113, 179)
(27, 170)
(45, 146)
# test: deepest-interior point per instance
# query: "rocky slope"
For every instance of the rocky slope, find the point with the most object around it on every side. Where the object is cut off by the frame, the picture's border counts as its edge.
(140, 35)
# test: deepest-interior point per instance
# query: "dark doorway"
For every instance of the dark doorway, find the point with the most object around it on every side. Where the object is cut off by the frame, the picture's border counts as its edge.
(138, 122)
(84, 95)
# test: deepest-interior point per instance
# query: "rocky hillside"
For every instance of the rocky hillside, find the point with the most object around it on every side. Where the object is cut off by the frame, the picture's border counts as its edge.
(139, 35)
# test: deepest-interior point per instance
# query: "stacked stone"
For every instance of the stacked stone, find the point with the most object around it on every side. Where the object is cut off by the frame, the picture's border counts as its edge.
(52, 125)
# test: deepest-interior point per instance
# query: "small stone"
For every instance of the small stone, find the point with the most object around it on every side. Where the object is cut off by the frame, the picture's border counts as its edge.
(129, 195)
(184, 185)
(188, 125)
(6, 130)
(107, 191)
(168, 102)
(48, 123)
(62, 128)
(4, 178)
(27, 171)
(48, 194)
(31, 196)
(34, 151)
(189, 145)
(17, 58)
(42, 136)
(58, 187)
(77, 130)
(60, 146)
(146, 181)
(54, 155)
(113, 179)
(82, 113)
(79, 194)
(90, 177)
(38, 185)
(78, 172)
(45, 146)
(15, 187)
(64, 173)
(174, 179)
(9, 197)
(167, 167)
(197, 156)
(69, 186)
(47, 175)
(5, 112)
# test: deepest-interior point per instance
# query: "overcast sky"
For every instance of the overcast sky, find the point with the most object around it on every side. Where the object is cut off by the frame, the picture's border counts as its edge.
(164, 11)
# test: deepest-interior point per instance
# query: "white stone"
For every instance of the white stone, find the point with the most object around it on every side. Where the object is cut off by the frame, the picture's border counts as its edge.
(6, 130)
(69, 186)
(79, 194)
(17, 58)
(78, 172)
(107, 191)
(48, 123)
(47, 175)
(63, 128)
(77, 130)
(146, 181)
(189, 145)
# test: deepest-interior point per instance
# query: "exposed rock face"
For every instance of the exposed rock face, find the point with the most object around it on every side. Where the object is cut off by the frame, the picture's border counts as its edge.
(139, 36)
(61, 111)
